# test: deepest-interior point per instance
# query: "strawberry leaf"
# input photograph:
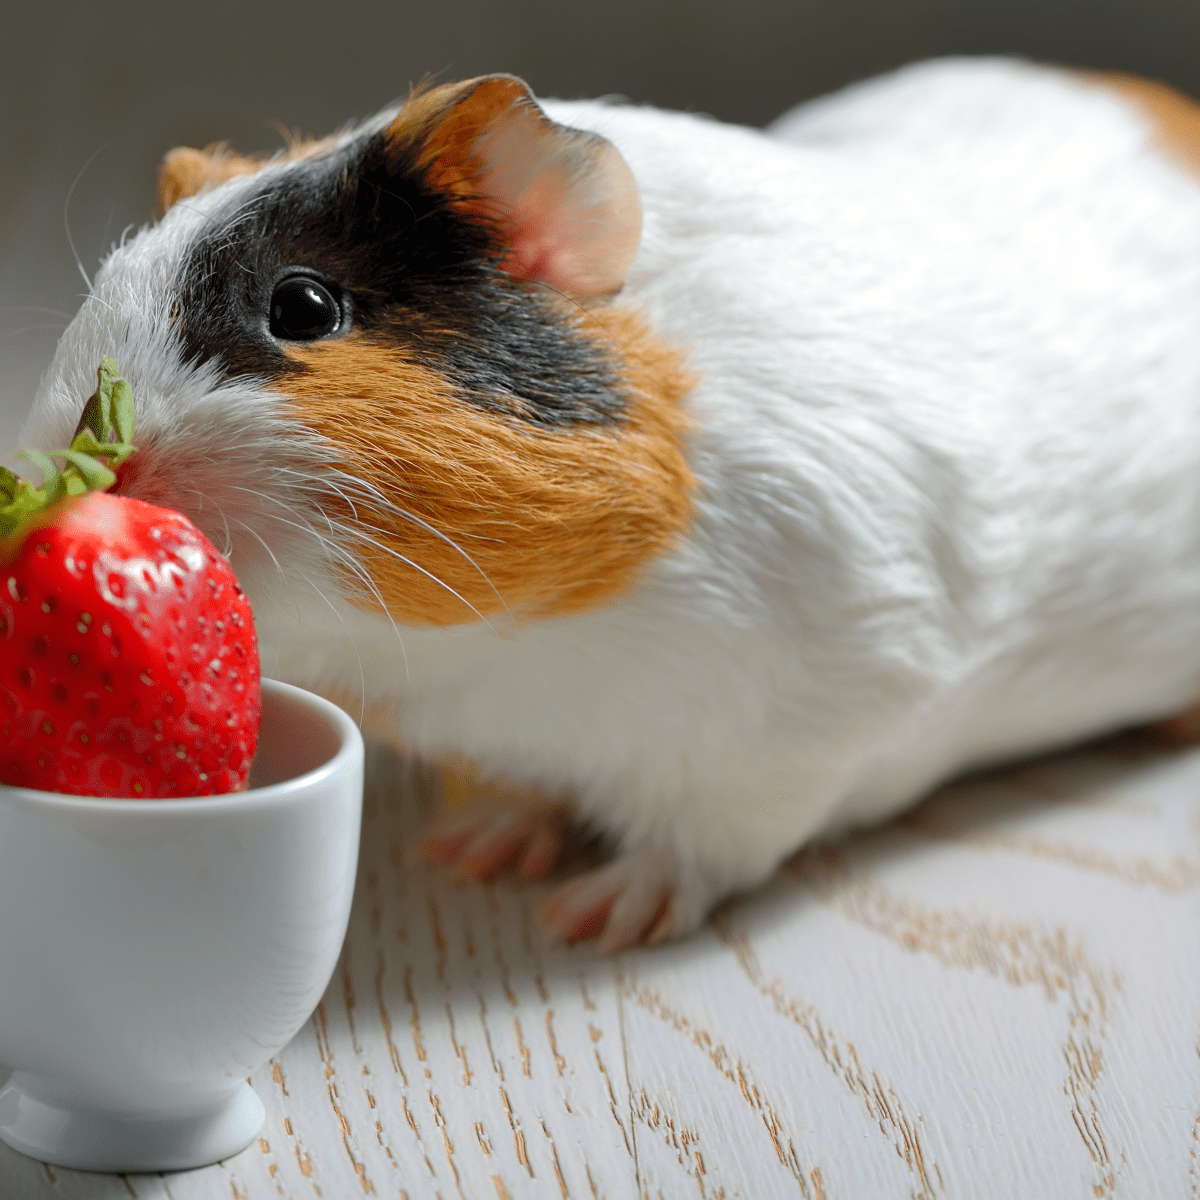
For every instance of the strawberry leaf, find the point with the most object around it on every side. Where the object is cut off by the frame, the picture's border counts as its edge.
(94, 475)
(9, 485)
(109, 406)
(101, 443)
(85, 442)
(50, 474)
(122, 411)
(24, 501)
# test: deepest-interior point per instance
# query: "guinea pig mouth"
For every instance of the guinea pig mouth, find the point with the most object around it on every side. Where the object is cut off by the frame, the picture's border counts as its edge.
(126, 472)
(136, 478)
(144, 477)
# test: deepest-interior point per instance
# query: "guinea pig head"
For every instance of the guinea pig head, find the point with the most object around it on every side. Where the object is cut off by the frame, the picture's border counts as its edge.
(393, 366)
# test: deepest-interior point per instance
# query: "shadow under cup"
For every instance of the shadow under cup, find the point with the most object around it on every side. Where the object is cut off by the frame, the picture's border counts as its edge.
(154, 953)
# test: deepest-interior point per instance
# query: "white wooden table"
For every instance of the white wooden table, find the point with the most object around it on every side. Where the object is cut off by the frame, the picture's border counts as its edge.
(996, 996)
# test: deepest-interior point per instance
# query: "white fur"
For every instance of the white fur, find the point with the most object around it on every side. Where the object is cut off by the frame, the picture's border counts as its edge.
(947, 331)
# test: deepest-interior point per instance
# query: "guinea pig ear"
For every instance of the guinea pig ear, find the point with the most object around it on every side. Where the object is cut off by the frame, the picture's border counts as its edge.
(565, 201)
(185, 171)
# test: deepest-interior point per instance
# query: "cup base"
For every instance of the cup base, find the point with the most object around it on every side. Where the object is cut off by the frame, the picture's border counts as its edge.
(90, 1139)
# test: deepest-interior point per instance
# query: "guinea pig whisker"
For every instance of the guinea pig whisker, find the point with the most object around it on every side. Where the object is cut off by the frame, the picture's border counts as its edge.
(339, 555)
(67, 217)
(204, 496)
(362, 679)
(297, 484)
(347, 560)
(362, 536)
(93, 296)
(288, 505)
(282, 573)
(414, 519)
(377, 498)
(304, 526)
(309, 479)
(12, 333)
(348, 500)
(54, 312)
(337, 613)
(258, 537)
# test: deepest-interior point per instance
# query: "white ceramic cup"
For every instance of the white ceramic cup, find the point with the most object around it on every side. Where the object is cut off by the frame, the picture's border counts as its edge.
(154, 953)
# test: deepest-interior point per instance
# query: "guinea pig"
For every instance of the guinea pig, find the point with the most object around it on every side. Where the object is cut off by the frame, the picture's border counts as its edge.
(737, 485)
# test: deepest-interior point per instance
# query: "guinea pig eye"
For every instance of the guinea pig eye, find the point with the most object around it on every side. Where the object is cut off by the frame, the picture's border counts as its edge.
(303, 310)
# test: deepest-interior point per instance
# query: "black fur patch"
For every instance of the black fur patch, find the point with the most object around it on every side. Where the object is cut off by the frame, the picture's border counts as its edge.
(413, 274)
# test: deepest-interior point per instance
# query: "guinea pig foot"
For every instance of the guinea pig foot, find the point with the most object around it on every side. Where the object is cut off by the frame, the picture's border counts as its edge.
(480, 841)
(636, 899)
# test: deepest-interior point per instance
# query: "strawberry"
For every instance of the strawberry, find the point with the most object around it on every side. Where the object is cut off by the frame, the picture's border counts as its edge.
(128, 657)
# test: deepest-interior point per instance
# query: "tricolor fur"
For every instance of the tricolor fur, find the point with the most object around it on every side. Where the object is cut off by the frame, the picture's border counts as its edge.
(868, 450)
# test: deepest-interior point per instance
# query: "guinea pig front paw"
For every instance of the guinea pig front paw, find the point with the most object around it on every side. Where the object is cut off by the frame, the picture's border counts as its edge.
(480, 841)
(640, 898)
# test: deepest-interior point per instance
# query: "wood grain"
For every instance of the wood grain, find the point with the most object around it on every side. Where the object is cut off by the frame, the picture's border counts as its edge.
(996, 995)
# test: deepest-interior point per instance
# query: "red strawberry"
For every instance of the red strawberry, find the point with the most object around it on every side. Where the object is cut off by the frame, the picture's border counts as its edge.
(128, 658)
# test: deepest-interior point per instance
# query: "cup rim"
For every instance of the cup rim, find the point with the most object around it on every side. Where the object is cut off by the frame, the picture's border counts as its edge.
(262, 797)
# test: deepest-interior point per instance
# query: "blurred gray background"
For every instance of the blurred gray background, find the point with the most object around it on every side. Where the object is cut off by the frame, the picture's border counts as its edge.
(92, 94)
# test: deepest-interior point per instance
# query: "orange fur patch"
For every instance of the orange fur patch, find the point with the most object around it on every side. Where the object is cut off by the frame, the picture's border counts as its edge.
(448, 122)
(1175, 116)
(526, 519)
(564, 202)
(185, 171)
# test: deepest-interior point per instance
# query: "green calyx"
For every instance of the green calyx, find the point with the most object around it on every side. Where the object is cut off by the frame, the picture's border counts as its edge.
(102, 442)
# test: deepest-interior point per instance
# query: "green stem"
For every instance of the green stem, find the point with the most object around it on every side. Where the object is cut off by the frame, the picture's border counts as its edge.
(102, 442)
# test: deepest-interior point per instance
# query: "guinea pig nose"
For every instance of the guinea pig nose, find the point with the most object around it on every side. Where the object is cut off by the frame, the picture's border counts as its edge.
(303, 310)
